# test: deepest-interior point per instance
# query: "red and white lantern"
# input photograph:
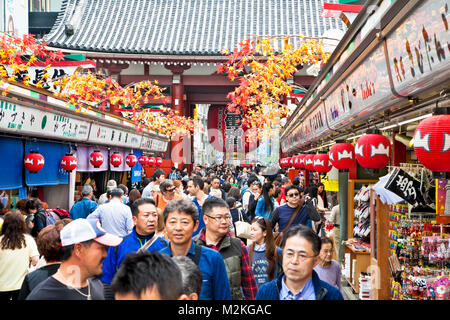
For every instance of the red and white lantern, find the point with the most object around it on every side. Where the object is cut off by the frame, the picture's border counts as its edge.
(151, 161)
(116, 159)
(69, 162)
(96, 159)
(34, 161)
(309, 162)
(301, 161)
(342, 155)
(131, 160)
(373, 151)
(432, 143)
(159, 161)
(290, 161)
(295, 162)
(322, 163)
(143, 160)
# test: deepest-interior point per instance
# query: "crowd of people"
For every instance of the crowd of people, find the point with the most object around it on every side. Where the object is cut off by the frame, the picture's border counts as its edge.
(177, 236)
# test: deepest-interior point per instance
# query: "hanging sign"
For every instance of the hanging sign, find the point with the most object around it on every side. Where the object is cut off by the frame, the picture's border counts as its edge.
(111, 136)
(405, 186)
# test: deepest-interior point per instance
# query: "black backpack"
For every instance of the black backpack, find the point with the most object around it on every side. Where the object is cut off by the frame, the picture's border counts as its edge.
(252, 202)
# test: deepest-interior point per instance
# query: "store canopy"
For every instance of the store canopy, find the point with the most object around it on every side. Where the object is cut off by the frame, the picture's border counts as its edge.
(11, 163)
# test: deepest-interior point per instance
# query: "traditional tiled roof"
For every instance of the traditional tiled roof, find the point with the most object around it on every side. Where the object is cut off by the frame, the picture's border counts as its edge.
(182, 27)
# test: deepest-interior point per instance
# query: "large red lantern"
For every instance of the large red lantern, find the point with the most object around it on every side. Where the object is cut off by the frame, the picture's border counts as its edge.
(34, 161)
(322, 163)
(131, 160)
(309, 162)
(291, 161)
(301, 161)
(282, 162)
(342, 155)
(151, 161)
(96, 159)
(143, 160)
(287, 160)
(432, 142)
(159, 161)
(116, 159)
(69, 162)
(373, 150)
(295, 162)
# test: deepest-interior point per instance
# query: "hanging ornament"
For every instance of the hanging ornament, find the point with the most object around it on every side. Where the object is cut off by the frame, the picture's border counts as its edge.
(342, 155)
(322, 163)
(295, 162)
(143, 160)
(301, 161)
(432, 142)
(309, 162)
(69, 162)
(151, 161)
(34, 161)
(116, 159)
(96, 159)
(290, 161)
(159, 161)
(373, 150)
(282, 162)
(131, 160)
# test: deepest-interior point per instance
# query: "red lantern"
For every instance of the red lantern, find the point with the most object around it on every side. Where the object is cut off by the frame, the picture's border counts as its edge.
(282, 162)
(322, 163)
(373, 150)
(291, 162)
(309, 162)
(432, 143)
(131, 160)
(96, 159)
(69, 162)
(295, 162)
(151, 161)
(34, 161)
(159, 161)
(342, 155)
(116, 159)
(301, 161)
(143, 160)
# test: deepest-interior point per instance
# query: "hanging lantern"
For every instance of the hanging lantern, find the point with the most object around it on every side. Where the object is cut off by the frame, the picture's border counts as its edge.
(116, 159)
(96, 158)
(131, 160)
(34, 161)
(373, 150)
(309, 162)
(282, 162)
(143, 160)
(342, 155)
(291, 161)
(301, 161)
(322, 163)
(432, 143)
(69, 162)
(295, 162)
(151, 161)
(159, 161)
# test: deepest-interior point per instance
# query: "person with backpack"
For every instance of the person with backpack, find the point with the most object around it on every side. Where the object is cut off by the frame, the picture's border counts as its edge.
(85, 206)
(266, 203)
(36, 212)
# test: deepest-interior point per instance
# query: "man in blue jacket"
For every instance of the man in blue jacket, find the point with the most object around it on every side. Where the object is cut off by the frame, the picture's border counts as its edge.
(301, 248)
(145, 220)
(85, 206)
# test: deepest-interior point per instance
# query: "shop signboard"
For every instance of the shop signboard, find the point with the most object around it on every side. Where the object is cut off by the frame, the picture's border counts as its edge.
(21, 119)
(113, 136)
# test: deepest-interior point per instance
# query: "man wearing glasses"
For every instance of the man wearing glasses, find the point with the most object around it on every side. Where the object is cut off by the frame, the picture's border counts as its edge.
(283, 213)
(167, 194)
(216, 215)
(301, 248)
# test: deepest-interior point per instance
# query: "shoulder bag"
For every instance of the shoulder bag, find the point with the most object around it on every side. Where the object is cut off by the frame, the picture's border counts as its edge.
(242, 227)
(278, 236)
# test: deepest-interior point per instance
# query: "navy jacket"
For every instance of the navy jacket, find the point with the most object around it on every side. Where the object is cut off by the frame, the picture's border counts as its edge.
(323, 290)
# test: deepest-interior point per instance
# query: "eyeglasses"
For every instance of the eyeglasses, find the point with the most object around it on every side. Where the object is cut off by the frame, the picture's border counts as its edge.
(218, 218)
(293, 195)
(170, 190)
(302, 257)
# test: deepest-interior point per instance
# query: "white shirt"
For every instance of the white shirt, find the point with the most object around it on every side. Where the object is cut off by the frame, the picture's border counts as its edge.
(115, 217)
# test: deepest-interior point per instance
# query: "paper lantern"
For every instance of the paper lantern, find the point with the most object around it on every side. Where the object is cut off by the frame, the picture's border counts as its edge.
(282, 162)
(227, 131)
(143, 160)
(69, 162)
(151, 161)
(432, 143)
(291, 162)
(295, 162)
(34, 161)
(322, 163)
(309, 162)
(373, 150)
(116, 159)
(301, 161)
(342, 155)
(159, 161)
(131, 160)
(96, 158)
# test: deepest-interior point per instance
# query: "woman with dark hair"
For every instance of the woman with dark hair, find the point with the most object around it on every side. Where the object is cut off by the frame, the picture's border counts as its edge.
(17, 250)
(265, 257)
(322, 202)
(266, 203)
(133, 196)
(36, 215)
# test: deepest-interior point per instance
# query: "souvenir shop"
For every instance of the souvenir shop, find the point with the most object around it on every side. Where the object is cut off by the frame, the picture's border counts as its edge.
(377, 121)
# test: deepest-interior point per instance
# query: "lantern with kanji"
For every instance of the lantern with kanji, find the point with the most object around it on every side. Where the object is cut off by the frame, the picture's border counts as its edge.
(295, 162)
(432, 142)
(322, 163)
(342, 155)
(301, 161)
(69, 162)
(309, 162)
(373, 150)
(159, 161)
(131, 160)
(34, 161)
(116, 159)
(143, 160)
(96, 158)
(151, 161)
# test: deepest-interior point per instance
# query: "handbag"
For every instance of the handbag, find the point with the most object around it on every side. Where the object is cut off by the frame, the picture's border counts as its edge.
(278, 236)
(242, 227)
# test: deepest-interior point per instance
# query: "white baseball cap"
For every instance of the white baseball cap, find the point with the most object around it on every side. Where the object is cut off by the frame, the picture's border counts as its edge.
(81, 230)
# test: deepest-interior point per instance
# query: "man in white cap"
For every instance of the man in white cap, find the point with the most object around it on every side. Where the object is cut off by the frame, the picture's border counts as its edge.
(83, 248)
